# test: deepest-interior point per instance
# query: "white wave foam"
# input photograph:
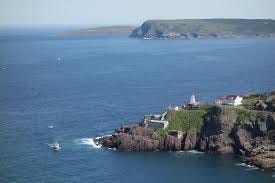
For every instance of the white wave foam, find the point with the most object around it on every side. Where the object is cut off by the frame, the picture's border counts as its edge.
(112, 148)
(184, 152)
(195, 152)
(249, 167)
(91, 142)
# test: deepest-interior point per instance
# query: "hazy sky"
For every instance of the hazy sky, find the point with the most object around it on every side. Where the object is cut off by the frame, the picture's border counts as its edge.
(69, 12)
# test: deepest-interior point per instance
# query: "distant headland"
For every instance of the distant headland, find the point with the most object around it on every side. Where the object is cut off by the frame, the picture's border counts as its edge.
(240, 124)
(186, 29)
(103, 30)
(204, 28)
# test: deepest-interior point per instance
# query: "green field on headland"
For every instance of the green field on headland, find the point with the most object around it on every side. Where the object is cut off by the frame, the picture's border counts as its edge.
(193, 120)
(185, 120)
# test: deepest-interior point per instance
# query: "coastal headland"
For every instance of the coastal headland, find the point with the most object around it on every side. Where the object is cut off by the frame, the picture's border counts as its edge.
(247, 130)
(186, 29)
(204, 28)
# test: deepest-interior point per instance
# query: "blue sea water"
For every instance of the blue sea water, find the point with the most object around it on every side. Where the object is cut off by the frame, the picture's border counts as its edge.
(89, 85)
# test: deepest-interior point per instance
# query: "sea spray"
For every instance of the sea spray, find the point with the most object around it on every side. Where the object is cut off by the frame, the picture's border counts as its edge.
(91, 142)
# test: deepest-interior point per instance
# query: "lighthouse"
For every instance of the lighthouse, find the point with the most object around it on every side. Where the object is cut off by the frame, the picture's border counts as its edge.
(193, 104)
(193, 100)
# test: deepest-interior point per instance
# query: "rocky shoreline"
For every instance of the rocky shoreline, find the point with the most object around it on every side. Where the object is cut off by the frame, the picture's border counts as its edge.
(221, 133)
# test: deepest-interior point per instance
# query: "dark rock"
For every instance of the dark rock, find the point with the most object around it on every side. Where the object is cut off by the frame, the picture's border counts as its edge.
(260, 105)
(262, 156)
(171, 143)
(242, 136)
(138, 138)
(215, 134)
(176, 133)
(189, 141)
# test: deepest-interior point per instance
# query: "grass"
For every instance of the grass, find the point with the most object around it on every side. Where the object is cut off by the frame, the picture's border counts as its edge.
(243, 115)
(192, 120)
(250, 100)
(185, 120)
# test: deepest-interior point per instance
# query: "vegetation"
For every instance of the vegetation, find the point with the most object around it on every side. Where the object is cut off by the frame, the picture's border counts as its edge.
(186, 120)
(249, 101)
(243, 115)
(160, 131)
(193, 120)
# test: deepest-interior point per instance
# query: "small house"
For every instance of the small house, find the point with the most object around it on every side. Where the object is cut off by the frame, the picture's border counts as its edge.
(229, 100)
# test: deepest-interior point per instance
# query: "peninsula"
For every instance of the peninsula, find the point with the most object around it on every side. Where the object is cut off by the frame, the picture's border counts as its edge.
(242, 125)
(204, 28)
(103, 30)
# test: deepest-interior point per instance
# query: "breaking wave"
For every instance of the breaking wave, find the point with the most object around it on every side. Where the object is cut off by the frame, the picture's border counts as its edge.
(91, 142)
(248, 167)
(187, 152)
(195, 152)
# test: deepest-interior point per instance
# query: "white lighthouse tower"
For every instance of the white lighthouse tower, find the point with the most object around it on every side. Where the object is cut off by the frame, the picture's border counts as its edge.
(193, 100)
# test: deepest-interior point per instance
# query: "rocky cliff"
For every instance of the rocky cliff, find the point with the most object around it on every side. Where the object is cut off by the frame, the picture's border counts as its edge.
(225, 129)
(204, 28)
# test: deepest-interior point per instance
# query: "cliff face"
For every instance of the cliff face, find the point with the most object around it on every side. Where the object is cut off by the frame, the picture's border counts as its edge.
(222, 132)
(197, 28)
(215, 135)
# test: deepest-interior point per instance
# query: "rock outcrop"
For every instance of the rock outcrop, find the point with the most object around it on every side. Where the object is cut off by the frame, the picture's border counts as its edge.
(137, 138)
(255, 141)
(215, 133)
(223, 131)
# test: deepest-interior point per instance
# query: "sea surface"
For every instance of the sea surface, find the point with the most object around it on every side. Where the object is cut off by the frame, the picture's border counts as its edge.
(86, 86)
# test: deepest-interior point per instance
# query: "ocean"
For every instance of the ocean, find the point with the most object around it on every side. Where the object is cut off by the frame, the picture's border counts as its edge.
(86, 86)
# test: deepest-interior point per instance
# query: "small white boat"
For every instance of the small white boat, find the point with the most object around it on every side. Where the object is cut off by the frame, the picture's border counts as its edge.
(51, 126)
(55, 147)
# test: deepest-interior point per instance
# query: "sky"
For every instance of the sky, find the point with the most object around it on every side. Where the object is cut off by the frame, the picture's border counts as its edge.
(120, 12)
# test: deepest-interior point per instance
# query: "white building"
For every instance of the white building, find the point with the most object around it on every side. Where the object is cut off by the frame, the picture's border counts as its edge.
(229, 100)
(174, 108)
(156, 120)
